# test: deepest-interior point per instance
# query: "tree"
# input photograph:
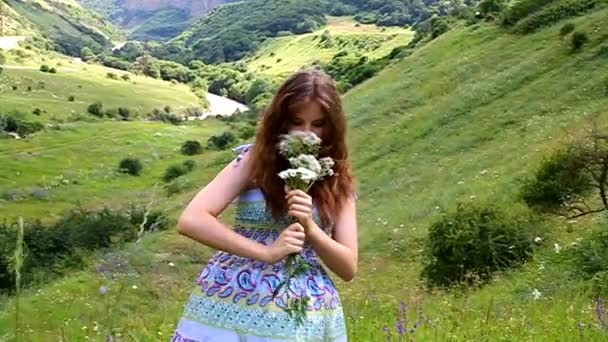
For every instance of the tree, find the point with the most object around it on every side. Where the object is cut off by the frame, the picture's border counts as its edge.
(147, 65)
(86, 54)
(574, 182)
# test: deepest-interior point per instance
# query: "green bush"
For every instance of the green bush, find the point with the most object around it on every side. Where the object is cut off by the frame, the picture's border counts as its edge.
(578, 40)
(131, 166)
(158, 115)
(174, 171)
(71, 98)
(559, 180)
(126, 77)
(124, 113)
(112, 76)
(566, 29)
(191, 147)
(176, 186)
(552, 14)
(590, 260)
(522, 9)
(189, 164)
(53, 70)
(21, 127)
(52, 250)
(44, 68)
(474, 242)
(96, 109)
(490, 7)
(222, 141)
(246, 132)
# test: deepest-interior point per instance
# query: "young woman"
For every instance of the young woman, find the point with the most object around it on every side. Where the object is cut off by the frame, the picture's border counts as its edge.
(233, 299)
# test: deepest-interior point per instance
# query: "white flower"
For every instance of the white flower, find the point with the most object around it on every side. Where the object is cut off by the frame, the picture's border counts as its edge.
(134, 287)
(541, 266)
(326, 166)
(537, 239)
(306, 161)
(300, 173)
(557, 248)
(171, 264)
(536, 294)
(298, 142)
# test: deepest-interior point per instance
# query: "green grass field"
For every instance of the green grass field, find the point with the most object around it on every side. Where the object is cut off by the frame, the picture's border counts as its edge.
(79, 163)
(462, 119)
(280, 56)
(88, 84)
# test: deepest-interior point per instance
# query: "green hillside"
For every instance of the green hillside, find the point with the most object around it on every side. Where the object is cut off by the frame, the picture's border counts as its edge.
(27, 88)
(285, 54)
(62, 25)
(462, 119)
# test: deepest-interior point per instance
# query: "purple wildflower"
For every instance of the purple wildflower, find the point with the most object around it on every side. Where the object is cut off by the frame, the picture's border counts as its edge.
(103, 290)
(400, 328)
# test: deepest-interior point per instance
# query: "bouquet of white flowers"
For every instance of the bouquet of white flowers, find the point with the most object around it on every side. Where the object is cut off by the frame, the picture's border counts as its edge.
(301, 150)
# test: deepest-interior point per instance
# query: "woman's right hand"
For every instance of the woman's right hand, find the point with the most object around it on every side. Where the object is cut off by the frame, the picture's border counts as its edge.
(291, 240)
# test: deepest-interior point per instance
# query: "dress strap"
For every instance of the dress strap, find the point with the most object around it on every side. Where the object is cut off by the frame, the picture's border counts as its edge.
(241, 150)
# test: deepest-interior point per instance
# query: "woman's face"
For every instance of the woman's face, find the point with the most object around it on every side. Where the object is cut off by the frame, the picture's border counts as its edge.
(310, 118)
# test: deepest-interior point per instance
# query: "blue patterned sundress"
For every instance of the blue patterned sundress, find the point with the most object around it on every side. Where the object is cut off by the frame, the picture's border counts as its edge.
(232, 300)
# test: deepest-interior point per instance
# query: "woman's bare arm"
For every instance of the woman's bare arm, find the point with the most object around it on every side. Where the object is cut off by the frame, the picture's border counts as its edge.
(199, 220)
(340, 254)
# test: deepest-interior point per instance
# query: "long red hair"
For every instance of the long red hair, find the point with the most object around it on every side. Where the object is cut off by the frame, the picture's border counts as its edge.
(297, 91)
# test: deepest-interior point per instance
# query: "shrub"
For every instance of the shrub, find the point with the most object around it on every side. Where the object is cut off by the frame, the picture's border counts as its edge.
(96, 109)
(552, 14)
(37, 111)
(131, 166)
(126, 77)
(53, 70)
(559, 180)
(473, 242)
(189, 164)
(158, 115)
(566, 29)
(590, 260)
(71, 98)
(19, 126)
(222, 141)
(44, 68)
(124, 113)
(191, 147)
(112, 76)
(578, 40)
(490, 7)
(246, 132)
(173, 172)
(54, 249)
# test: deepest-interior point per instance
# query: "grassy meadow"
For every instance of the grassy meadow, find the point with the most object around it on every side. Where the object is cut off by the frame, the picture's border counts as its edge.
(463, 119)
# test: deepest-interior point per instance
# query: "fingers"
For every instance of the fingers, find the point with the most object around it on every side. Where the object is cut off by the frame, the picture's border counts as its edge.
(300, 200)
(296, 227)
(295, 242)
(300, 208)
(297, 193)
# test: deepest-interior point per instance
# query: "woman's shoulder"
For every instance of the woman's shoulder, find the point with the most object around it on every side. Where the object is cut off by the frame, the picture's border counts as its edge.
(244, 162)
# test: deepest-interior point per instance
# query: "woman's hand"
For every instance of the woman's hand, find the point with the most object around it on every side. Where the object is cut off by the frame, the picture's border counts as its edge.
(290, 241)
(300, 206)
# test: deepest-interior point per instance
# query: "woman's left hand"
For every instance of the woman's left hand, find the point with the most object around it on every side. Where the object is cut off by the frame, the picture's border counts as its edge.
(299, 205)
